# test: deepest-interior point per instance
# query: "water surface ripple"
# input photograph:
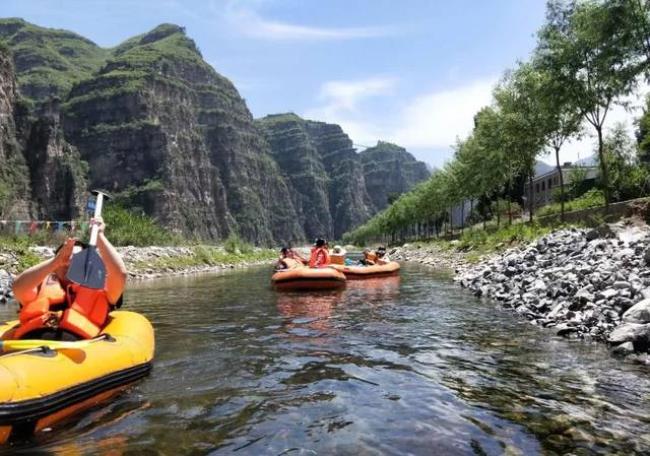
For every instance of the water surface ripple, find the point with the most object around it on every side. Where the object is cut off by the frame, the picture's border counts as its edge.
(392, 366)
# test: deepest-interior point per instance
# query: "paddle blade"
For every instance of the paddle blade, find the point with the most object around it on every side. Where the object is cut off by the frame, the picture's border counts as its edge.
(87, 269)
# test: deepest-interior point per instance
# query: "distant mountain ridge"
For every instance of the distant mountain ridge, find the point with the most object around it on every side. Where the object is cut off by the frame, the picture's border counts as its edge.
(152, 122)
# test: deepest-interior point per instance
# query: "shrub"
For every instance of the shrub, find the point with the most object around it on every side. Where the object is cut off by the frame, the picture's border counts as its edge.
(234, 244)
(124, 227)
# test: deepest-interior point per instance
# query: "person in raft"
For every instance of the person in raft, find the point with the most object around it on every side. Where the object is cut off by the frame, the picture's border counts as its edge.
(369, 258)
(320, 256)
(51, 307)
(382, 256)
(287, 253)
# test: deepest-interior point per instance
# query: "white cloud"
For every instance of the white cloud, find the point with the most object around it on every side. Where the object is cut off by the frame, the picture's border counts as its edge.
(341, 103)
(251, 24)
(436, 119)
(431, 120)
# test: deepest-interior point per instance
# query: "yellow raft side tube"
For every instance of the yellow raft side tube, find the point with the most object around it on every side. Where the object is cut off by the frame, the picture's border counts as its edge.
(39, 388)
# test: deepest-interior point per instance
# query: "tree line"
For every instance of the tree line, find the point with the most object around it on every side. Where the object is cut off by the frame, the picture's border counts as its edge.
(589, 56)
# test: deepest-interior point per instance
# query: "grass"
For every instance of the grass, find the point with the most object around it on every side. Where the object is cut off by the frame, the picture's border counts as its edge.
(18, 247)
(204, 255)
(593, 198)
(126, 227)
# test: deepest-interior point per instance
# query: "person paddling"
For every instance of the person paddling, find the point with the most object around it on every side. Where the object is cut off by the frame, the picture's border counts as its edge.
(54, 308)
(320, 256)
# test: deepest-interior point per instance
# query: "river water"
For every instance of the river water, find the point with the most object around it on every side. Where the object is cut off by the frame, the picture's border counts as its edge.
(402, 365)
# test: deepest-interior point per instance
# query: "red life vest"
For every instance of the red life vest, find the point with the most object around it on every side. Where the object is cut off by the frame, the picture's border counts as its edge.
(83, 311)
(319, 257)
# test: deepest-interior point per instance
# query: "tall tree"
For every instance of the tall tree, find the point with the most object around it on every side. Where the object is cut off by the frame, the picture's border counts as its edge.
(589, 58)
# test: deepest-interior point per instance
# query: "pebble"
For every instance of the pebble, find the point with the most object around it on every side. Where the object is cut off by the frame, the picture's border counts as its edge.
(582, 283)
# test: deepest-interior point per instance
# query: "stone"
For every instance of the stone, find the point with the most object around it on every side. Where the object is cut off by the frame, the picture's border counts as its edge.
(636, 333)
(638, 313)
(624, 349)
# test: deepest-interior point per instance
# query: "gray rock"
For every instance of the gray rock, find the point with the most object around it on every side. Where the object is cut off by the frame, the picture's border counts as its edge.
(624, 349)
(638, 313)
(621, 284)
(637, 333)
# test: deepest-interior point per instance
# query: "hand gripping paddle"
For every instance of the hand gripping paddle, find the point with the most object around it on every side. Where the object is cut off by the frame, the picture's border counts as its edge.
(87, 268)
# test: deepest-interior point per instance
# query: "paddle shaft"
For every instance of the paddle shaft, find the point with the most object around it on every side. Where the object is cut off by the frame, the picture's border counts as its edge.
(94, 230)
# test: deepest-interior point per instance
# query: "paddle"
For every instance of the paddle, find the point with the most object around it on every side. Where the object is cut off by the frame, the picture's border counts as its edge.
(87, 268)
(28, 344)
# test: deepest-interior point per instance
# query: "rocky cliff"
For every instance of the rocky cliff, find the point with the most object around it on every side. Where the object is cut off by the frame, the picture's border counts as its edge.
(152, 122)
(389, 171)
(336, 188)
(14, 180)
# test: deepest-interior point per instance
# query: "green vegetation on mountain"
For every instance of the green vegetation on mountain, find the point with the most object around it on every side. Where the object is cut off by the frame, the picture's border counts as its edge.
(49, 61)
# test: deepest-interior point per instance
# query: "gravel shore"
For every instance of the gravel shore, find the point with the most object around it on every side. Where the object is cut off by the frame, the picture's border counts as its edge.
(586, 283)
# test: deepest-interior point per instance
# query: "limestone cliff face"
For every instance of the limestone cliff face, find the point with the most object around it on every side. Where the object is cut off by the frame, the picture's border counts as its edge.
(301, 164)
(14, 174)
(336, 188)
(159, 123)
(57, 173)
(350, 204)
(389, 171)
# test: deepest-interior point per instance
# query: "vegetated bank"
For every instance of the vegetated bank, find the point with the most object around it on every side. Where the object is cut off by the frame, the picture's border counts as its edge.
(148, 249)
(592, 284)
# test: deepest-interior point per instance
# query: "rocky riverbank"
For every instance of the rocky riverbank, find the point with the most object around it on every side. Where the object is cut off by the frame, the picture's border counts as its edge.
(590, 284)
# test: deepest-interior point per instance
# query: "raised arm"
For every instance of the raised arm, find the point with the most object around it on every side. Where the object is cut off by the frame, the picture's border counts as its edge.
(26, 283)
(115, 269)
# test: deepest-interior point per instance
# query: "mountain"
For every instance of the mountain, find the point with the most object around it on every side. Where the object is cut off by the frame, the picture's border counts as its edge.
(389, 171)
(336, 188)
(542, 168)
(151, 122)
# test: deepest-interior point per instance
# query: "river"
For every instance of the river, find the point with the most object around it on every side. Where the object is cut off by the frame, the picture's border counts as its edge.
(409, 364)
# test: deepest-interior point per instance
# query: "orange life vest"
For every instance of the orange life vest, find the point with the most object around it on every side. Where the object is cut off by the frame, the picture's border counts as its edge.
(83, 310)
(319, 257)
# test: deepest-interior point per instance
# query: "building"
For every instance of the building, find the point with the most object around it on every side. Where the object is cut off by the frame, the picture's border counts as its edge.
(546, 182)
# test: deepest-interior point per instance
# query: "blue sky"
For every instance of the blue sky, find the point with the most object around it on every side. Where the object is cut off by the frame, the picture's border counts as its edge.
(413, 71)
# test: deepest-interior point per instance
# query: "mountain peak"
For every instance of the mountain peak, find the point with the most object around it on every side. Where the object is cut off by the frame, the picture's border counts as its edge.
(160, 32)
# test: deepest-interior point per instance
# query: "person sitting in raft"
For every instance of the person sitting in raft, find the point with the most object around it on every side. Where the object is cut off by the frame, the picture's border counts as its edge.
(382, 256)
(369, 258)
(53, 308)
(295, 259)
(338, 255)
(320, 256)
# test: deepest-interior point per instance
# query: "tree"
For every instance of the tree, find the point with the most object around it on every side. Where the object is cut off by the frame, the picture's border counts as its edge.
(522, 132)
(590, 58)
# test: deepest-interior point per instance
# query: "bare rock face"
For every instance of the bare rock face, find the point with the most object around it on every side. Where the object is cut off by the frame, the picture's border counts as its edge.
(300, 163)
(14, 174)
(336, 188)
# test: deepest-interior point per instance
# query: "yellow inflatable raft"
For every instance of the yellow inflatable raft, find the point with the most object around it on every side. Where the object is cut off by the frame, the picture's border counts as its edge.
(40, 387)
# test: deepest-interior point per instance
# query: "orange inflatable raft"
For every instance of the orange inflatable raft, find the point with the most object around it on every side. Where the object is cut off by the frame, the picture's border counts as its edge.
(299, 277)
(367, 272)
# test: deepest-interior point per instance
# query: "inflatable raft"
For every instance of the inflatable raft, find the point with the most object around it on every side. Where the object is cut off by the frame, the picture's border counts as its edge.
(367, 272)
(299, 277)
(40, 387)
